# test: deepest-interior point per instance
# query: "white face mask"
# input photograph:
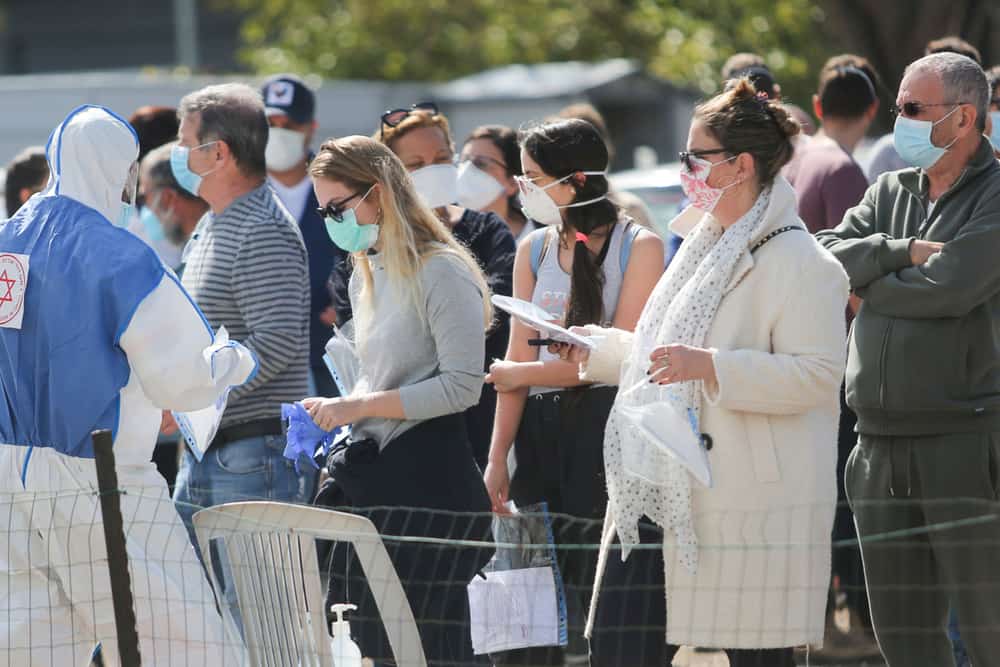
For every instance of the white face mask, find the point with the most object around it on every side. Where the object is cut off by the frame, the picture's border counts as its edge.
(285, 149)
(540, 207)
(437, 184)
(476, 188)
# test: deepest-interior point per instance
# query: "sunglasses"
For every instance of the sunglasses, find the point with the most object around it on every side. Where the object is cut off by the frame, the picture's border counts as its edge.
(394, 117)
(688, 158)
(911, 109)
(337, 210)
(483, 162)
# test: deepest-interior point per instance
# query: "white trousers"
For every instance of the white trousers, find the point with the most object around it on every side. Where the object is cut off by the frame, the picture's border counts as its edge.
(55, 592)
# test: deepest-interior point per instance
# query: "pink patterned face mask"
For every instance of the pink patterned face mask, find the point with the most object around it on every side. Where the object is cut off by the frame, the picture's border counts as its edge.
(694, 178)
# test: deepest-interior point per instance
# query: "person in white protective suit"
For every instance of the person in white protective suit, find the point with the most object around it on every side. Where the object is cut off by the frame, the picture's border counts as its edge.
(95, 333)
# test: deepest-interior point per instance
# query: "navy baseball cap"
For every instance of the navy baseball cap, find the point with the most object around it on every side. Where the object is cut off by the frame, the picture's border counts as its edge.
(288, 95)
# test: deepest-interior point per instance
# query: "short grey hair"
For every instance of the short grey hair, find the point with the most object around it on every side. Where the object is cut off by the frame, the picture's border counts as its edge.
(962, 78)
(233, 113)
(155, 169)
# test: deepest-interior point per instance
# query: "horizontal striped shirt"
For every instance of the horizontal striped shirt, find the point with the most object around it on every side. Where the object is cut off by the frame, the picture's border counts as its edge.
(246, 269)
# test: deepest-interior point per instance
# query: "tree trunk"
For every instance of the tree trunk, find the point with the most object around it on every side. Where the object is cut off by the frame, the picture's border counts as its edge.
(893, 34)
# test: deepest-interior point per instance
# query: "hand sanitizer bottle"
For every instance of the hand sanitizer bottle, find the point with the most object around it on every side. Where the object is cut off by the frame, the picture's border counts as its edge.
(345, 652)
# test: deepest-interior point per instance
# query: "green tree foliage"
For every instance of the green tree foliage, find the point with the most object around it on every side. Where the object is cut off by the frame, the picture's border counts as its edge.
(685, 41)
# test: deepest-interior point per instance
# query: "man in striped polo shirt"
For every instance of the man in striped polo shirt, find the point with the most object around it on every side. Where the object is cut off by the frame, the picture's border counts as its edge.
(246, 268)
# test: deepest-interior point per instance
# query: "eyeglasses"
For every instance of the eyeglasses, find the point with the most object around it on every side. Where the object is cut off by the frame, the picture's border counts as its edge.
(687, 158)
(337, 210)
(483, 162)
(394, 117)
(911, 109)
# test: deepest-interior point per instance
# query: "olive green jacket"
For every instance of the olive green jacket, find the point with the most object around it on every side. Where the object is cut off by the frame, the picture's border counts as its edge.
(924, 350)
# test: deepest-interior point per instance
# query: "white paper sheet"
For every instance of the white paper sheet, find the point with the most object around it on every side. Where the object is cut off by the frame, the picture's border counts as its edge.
(200, 426)
(514, 609)
(538, 319)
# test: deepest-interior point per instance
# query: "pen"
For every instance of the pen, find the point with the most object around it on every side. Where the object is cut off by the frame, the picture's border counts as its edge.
(542, 342)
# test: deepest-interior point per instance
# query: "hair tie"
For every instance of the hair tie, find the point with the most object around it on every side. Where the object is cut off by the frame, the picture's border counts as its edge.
(763, 101)
(581, 237)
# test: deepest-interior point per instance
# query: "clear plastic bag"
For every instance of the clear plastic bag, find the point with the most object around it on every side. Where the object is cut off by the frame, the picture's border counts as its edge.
(519, 601)
(666, 430)
(341, 358)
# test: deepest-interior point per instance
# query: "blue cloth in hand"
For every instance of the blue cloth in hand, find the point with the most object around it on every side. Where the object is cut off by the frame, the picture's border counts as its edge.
(304, 435)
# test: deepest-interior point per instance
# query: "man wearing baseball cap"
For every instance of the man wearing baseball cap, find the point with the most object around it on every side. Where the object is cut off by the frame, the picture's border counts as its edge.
(291, 113)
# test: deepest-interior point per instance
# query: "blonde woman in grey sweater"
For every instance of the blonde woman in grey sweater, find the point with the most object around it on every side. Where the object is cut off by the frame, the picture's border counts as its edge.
(421, 307)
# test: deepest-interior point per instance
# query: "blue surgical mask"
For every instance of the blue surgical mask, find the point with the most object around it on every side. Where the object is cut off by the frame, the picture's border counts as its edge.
(348, 234)
(126, 216)
(912, 139)
(995, 134)
(187, 179)
(151, 224)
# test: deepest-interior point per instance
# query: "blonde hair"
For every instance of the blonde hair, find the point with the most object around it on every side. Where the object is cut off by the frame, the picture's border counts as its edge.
(416, 119)
(410, 232)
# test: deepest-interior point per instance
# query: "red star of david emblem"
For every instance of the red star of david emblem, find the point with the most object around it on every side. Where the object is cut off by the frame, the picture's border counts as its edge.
(7, 296)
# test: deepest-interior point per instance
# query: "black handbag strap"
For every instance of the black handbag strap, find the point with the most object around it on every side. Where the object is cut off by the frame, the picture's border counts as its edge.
(776, 232)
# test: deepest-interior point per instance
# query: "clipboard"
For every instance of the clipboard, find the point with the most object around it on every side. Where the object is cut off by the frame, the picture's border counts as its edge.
(537, 319)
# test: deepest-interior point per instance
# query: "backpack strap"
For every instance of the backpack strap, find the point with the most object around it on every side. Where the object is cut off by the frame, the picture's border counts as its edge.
(629, 235)
(539, 244)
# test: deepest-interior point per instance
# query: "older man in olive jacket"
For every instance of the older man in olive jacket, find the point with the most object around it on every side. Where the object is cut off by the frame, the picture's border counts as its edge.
(923, 372)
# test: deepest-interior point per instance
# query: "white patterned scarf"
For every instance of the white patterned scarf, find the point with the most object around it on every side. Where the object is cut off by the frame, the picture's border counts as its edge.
(679, 311)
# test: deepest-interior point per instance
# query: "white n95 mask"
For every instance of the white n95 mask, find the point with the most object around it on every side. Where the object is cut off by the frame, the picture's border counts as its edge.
(437, 184)
(285, 149)
(538, 204)
(476, 188)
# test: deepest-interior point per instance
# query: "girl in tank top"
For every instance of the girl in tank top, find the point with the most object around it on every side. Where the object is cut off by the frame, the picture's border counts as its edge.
(580, 276)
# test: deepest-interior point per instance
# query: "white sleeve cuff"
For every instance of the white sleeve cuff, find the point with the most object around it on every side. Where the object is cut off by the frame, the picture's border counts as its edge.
(605, 361)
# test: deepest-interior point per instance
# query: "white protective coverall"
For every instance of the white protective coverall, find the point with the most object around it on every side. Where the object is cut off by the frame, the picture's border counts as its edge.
(106, 338)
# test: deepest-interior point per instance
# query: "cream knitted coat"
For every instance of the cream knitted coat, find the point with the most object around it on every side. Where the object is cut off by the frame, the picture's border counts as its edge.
(764, 527)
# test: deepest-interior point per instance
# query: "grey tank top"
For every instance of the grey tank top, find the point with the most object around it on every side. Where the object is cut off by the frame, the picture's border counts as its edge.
(552, 285)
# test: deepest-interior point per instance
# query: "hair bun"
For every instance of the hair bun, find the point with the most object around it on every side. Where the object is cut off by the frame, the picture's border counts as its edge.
(789, 126)
(742, 89)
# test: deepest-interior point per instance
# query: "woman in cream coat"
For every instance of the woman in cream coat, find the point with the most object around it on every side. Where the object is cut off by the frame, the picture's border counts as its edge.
(745, 331)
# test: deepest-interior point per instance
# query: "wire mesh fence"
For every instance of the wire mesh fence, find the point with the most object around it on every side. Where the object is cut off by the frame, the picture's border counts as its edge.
(278, 568)
(56, 595)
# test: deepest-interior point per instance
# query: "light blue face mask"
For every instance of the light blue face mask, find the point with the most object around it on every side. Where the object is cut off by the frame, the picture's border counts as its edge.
(186, 178)
(995, 134)
(348, 234)
(126, 216)
(151, 224)
(912, 139)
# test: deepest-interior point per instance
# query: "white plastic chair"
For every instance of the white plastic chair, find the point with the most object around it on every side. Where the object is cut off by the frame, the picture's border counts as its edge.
(271, 549)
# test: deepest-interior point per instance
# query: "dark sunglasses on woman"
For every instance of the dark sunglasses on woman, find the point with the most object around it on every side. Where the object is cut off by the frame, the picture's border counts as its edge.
(394, 117)
(336, 210)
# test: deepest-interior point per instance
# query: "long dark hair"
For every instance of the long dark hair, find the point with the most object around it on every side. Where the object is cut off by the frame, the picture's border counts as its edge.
(565, 148)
